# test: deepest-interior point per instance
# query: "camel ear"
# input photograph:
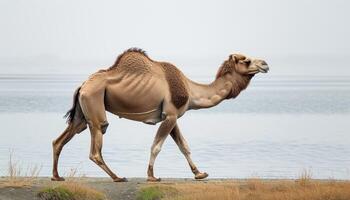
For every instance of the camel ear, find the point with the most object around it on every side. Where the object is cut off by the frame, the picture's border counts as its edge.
(232, 58)
(237, 57)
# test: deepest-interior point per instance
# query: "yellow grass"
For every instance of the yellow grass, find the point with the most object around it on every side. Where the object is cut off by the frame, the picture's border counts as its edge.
(263, 190)
(17, 177)
(71, 190)
(303, 188)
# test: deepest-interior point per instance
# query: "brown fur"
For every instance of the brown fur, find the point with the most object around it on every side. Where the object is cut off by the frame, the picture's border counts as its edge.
(239, 84)
(135, 87)
(134, 49)
(225, 68)
(229, 65)
(133, 63)
(179, 94)
(240, 81)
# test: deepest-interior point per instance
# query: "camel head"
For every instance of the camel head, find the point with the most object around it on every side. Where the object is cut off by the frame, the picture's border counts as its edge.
(242, 65)
(240, 69)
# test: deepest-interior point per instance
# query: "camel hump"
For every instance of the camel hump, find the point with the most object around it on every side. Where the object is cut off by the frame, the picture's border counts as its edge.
(177, 87)
(133, 62)
(136, 54)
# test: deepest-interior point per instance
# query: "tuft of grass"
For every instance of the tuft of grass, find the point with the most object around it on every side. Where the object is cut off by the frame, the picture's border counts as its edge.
(305, 178)
(70, 190)
(57, 193)
(73, 188)
(155, 192)
(73, 175)
(253, 189)
(17, 177)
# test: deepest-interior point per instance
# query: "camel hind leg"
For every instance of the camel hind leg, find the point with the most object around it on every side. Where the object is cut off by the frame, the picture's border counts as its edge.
(183, 146)
(74, 127)
(92, 105)
(96, 151)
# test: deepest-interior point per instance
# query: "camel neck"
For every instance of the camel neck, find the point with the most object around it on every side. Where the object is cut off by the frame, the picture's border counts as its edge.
(209, 95)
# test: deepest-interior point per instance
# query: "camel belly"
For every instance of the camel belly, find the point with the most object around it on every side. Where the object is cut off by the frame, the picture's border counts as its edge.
(146, 114)
(136, 98)
(149, 117)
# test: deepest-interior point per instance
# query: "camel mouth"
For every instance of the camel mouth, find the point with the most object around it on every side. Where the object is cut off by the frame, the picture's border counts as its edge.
(263, 68)
(259, 68)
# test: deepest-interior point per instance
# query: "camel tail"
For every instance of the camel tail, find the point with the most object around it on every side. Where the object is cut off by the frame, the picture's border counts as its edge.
(76, 109)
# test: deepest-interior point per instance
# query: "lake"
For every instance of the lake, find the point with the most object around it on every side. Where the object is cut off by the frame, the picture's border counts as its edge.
(277, 128)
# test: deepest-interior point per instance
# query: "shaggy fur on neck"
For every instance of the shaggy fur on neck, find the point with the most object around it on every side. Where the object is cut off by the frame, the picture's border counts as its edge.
(226, 67)
(239, 82)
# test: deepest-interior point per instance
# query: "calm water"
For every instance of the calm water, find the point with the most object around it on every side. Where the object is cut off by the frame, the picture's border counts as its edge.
(275, 129)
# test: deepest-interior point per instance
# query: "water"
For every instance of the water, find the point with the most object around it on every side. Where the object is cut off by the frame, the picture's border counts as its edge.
(277, 128)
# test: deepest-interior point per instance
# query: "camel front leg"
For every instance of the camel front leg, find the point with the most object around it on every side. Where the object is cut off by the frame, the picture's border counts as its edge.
(183, 146)
(163, 131)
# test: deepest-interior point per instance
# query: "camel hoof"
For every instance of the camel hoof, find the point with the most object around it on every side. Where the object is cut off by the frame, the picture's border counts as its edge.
(57, 178)
(201, 176)
(153, 179)
(120, 180)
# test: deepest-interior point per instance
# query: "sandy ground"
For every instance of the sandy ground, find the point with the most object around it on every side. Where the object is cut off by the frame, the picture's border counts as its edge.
(114, 191)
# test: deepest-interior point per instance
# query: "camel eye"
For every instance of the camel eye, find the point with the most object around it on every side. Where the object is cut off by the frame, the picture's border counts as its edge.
(247, 62)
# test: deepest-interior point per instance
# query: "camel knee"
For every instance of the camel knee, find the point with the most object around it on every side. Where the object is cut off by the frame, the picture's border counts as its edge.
(54, 143)
(96, 159)
(56, 146)
(104, 127)
(98, 126)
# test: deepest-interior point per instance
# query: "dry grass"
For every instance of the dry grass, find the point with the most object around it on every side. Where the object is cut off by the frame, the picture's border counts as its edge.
(17, 177)
(71, 190)
(73, 175)
(74, 188)
(303, 188)
(305, 177)
(263, 190)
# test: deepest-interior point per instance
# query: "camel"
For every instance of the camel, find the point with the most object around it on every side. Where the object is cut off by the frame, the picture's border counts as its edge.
(138, 88)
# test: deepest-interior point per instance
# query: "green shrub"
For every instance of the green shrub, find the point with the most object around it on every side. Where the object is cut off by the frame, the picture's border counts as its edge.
(70, 191)
(155, 192)
(56, 193)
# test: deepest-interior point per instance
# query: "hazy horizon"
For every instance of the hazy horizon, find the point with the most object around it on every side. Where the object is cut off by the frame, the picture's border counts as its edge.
(292, 119)
(79, 37)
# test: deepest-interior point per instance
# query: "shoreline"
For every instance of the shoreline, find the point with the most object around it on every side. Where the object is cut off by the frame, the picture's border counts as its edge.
(129, 190)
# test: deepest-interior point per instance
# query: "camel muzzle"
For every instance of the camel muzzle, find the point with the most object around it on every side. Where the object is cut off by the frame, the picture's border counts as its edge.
(263, 67)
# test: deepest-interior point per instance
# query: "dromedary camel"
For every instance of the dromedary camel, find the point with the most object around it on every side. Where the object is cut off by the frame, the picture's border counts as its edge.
(141, 89)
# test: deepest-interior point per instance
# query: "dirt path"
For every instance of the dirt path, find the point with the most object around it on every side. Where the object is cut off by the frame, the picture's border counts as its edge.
(114, 191)
(117, 191)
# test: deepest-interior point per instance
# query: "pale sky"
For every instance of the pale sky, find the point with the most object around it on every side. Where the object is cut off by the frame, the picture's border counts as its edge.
(62, 36)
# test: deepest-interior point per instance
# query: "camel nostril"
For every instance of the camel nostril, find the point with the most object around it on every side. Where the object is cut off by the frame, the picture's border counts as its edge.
(263, 62)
